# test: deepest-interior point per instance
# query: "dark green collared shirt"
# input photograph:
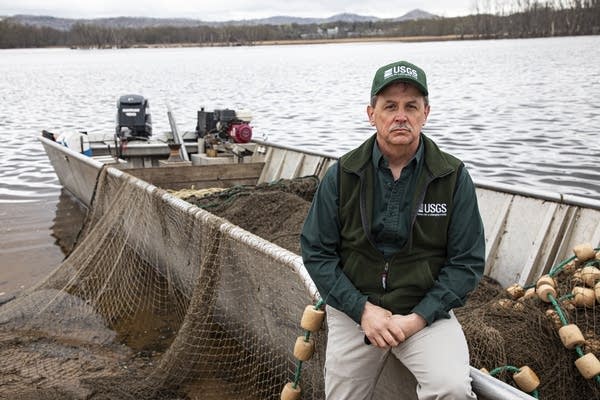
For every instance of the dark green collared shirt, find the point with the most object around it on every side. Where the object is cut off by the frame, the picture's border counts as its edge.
(392, 212)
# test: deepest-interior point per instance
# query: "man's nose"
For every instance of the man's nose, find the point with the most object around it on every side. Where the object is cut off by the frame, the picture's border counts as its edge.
(400, 116)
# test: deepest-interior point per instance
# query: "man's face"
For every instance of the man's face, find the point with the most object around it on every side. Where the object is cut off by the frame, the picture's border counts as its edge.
(398, 115)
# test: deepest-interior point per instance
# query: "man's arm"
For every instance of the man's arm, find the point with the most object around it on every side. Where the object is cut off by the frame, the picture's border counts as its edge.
(466, 256)
(319, 241)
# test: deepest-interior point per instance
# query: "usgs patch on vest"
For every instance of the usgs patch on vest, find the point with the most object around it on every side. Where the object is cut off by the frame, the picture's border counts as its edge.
(432, 210)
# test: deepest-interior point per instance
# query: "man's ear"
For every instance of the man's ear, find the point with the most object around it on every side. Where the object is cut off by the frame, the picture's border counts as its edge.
(370, 114)
(427, 109)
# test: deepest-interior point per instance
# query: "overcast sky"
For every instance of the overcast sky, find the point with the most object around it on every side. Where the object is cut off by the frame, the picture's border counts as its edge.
(221, 10)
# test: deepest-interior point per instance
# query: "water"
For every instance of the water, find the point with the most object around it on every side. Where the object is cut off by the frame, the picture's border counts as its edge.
(523, 112)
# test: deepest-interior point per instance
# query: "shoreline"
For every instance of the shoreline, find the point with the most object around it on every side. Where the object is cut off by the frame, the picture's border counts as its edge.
(366, 39)
(286, 42)
(369, 39)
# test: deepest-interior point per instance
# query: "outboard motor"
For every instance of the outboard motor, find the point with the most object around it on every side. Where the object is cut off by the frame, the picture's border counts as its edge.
(133, 118)
(226, 125)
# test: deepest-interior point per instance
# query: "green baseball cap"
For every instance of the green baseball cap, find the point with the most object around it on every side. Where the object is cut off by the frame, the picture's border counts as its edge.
(401, 71)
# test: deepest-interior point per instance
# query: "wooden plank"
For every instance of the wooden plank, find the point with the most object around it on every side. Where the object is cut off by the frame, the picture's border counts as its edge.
(200, 176)
(273, 162)
(315, 165)
(520, 232)
(287, 164)
(291, 165)
(584, 228)
(494, 208)
(563, 249)
(552, 242)
(533, 266)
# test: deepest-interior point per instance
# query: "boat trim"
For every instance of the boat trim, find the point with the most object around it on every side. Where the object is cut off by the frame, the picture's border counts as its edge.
(561, 198)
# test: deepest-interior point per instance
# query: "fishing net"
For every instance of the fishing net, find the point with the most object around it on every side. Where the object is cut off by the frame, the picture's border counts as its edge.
(503, 332)
(163, 300)
(274, 211)
(159, 300)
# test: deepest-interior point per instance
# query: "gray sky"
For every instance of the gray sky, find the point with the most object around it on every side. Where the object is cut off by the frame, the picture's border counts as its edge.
(220, 10)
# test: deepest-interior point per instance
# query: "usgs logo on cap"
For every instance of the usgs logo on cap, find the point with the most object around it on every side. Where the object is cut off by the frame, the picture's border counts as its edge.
(400, 70)
(432, 209)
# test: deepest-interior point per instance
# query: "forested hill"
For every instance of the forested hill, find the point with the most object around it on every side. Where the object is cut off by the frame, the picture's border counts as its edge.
(65, 24)
(507, 19)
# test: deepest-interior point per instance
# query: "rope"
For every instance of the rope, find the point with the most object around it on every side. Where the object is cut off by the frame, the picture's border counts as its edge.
(298, 372)
(565, 322)
(563, 319)
(555, 270)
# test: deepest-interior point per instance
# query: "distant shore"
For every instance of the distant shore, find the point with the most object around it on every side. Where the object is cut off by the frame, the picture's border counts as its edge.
(313, 41)
(367, 39)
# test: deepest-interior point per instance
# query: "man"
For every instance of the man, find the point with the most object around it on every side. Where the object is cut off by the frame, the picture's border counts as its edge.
(394, 241)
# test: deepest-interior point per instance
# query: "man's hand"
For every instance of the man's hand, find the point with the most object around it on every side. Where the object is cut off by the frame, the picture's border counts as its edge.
(379, 327)
(409, 324)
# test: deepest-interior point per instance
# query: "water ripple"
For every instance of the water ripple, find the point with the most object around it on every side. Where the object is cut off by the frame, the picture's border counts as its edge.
(511, 118)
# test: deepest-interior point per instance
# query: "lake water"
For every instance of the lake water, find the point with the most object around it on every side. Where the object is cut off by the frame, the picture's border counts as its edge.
(523, 112)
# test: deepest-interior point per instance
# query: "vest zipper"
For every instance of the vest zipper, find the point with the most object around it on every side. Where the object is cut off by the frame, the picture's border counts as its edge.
(384, 275)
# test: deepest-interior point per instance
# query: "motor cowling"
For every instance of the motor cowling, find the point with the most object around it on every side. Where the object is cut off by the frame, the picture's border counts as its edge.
(240, 132)
(133, 117)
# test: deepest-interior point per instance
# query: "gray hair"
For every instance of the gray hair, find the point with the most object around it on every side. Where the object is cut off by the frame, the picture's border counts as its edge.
(374, 99)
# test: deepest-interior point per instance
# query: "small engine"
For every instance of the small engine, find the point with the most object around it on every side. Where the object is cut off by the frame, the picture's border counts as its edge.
(133, 118)
(224, 125)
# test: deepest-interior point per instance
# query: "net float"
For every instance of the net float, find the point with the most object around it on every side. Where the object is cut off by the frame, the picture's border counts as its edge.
(312, 319)
(545, 291)
(584, 252)
(304, 349)
(584, 297)
(571, 336)
(526, 379)
(290, 392)
(588, 365)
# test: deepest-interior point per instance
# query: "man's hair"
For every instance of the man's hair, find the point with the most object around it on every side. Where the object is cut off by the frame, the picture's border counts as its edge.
(374, 99)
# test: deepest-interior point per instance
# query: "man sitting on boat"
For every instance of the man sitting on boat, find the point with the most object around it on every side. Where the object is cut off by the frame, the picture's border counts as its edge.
(394, 241)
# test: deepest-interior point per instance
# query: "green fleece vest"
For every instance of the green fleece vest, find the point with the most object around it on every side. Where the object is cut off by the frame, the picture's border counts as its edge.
(410, 273)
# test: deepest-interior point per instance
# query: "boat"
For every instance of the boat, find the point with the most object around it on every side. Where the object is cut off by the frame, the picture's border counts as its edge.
(527, 233)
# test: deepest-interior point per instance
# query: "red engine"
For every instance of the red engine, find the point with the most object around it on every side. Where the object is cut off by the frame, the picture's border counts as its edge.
(240, 132)
(225, 125)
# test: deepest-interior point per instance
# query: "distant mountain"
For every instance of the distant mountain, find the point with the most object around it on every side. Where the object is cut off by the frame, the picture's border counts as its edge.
(285, 20)
(65, 24)
(415, 15)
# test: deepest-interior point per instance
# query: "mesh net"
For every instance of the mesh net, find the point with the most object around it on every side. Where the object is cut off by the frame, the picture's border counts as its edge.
(163, 300)
(159, 299)
(503, 332)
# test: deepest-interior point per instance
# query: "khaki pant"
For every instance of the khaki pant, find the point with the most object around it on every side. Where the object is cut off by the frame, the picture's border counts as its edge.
(437, 356)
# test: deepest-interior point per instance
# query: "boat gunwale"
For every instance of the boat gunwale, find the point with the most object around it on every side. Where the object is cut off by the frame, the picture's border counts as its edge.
(562, 198)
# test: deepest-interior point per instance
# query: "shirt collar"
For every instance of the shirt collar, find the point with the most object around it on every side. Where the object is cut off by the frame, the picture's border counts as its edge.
(380, 161)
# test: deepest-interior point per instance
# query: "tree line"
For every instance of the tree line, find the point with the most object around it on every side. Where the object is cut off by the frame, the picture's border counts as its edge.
(491, 19)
